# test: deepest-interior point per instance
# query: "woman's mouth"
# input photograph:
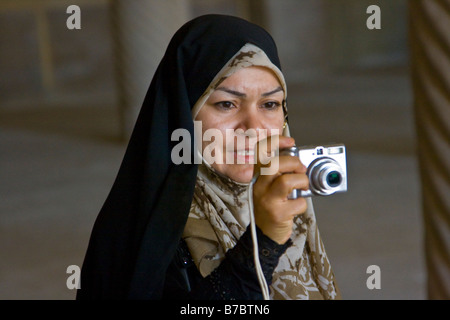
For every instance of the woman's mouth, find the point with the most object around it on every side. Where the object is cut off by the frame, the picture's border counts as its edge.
(245, 156)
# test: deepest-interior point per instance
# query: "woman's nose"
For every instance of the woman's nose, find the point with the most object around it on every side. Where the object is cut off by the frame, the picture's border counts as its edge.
(250, 119)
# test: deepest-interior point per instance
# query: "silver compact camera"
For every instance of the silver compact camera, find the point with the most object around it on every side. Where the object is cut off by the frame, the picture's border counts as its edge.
(327, 169)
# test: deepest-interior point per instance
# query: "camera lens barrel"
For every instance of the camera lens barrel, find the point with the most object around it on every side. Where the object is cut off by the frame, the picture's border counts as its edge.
(325, 175)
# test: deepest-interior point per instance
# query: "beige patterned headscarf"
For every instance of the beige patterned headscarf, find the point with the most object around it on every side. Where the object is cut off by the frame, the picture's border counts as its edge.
(220, 214)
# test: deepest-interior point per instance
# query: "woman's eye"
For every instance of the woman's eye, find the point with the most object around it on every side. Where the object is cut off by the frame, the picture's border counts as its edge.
(225, 105)
(271, 105)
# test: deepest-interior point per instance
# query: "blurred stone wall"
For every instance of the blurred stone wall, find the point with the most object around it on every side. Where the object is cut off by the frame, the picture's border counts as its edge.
(42, 61)
(315, 38)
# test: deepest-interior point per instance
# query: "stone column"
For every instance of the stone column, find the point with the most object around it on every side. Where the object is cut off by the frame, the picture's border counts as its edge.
(430, 56)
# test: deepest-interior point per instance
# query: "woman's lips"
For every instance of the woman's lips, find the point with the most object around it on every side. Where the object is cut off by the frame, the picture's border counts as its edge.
(245, 152)
(244, 156)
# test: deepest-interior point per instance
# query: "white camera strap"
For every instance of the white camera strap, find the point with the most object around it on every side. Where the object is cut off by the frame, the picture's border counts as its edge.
(259, 272)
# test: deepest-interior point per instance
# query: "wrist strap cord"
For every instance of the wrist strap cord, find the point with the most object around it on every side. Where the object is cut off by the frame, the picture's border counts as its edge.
(259, 272)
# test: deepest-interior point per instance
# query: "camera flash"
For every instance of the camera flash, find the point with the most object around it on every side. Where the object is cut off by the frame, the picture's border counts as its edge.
(335, 150)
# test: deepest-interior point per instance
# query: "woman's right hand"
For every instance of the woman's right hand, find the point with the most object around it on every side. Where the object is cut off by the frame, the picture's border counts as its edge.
(274, 212)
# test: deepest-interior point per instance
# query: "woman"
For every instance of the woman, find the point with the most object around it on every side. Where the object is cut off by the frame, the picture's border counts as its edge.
(180, 231)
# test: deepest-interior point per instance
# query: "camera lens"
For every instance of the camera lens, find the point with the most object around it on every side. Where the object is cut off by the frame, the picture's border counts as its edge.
(334, 179)
(325, 176)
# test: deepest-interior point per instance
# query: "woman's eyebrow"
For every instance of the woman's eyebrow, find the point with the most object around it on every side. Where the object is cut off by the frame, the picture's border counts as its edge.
(233, 92)
(241, 94)
(272, 92)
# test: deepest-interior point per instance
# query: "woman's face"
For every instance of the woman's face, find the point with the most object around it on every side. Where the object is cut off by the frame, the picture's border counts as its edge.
(251, 98)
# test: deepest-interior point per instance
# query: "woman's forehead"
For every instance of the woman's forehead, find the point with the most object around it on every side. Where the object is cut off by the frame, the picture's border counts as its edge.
(250, 78)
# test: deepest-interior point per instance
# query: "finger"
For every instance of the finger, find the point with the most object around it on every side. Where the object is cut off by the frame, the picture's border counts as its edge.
(285, 164)
(286, 211)
(295, 207)
(286, 142)
(266, 163)
(265, 148)
(283, 185)
(276, 141)
(291, 164)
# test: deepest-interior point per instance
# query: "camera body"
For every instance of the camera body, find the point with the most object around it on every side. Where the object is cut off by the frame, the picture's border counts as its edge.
(326, 169)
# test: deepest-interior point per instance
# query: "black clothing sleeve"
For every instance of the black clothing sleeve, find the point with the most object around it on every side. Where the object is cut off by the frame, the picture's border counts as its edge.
(234, 279)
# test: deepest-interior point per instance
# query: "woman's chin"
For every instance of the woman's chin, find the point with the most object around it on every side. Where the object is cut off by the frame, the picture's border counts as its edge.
(241, 173)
